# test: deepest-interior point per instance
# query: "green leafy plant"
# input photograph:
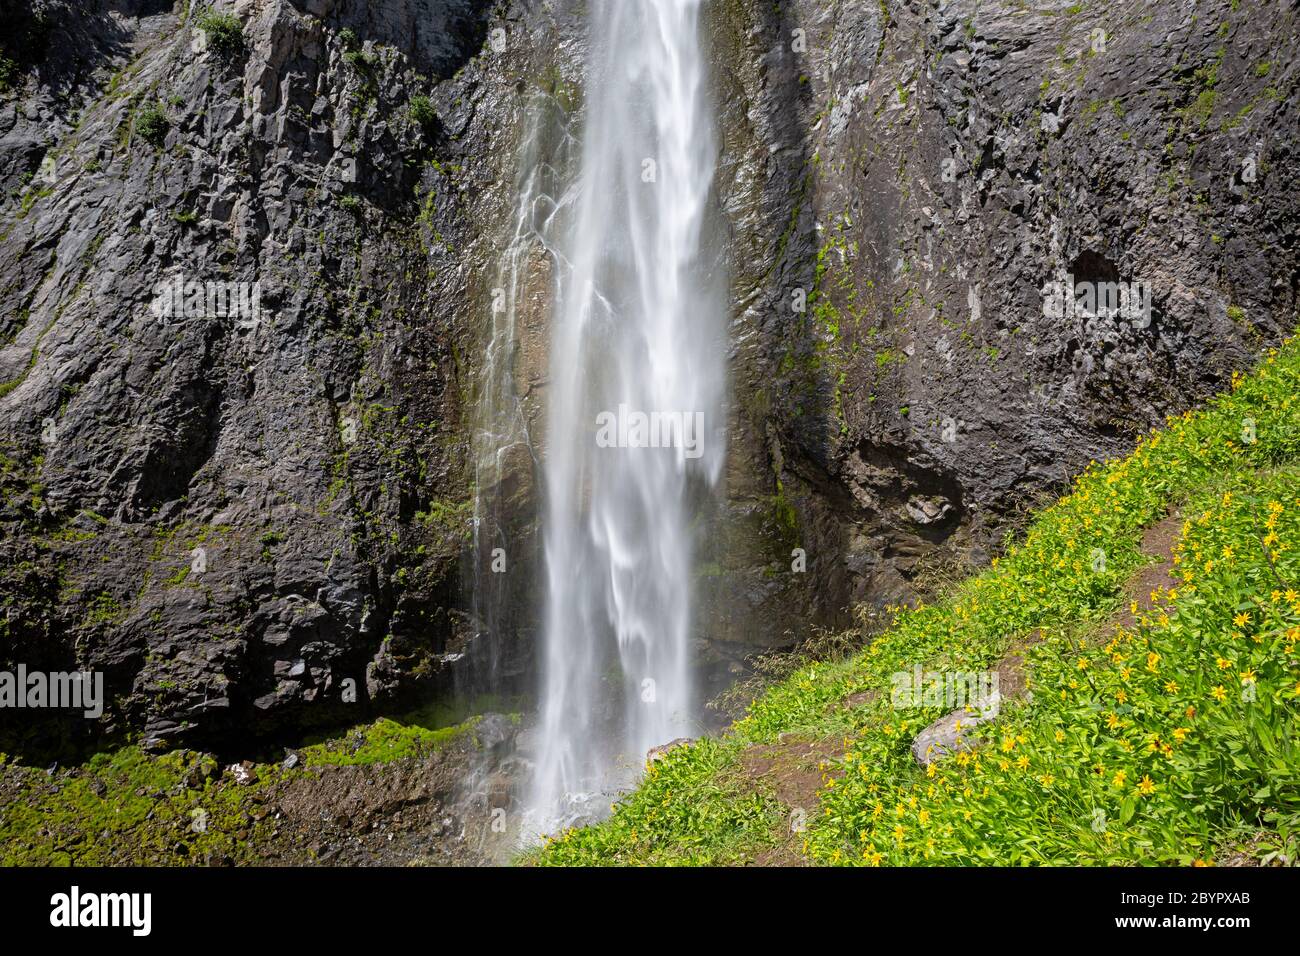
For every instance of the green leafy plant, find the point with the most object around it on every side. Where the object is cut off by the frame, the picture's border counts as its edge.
(423, 114)
(151, 124)
(360, 60)
(8, 73)
(224, 32)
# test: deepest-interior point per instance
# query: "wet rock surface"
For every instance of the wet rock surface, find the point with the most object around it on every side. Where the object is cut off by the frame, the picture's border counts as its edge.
(248, 523)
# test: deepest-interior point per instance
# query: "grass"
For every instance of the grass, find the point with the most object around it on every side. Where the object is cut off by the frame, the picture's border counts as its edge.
(383, 741)
(1170, 739)
(131, 807)
(449, 522)
(123, 801)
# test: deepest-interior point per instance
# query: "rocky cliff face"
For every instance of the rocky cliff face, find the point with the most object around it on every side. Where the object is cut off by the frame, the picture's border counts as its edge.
(245, 521)
(250, 521)
(908, 182)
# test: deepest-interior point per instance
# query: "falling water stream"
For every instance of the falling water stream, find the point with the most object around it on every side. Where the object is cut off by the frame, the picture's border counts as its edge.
(505, 446)
(638, 335)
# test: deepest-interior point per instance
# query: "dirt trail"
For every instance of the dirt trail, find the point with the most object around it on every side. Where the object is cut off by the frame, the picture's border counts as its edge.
(792, 769)
(1157, 542)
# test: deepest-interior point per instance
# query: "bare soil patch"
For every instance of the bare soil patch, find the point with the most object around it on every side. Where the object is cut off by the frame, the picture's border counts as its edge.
(1157, 542)
(792, 769)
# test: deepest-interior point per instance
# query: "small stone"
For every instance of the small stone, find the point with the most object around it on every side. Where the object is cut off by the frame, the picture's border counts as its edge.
(928, 511)
(947, 735)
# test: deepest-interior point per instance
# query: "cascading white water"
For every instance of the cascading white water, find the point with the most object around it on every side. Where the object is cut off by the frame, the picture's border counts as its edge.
(504, 447)
(639, 329)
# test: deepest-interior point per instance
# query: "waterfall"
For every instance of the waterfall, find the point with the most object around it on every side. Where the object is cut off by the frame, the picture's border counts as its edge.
(635, 428)
(505, 448)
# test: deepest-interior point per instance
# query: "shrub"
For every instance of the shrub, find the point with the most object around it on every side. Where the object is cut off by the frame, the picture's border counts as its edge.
(360, 60)
(8, 73)
(224, 32)
(151, 124)
(423, 113)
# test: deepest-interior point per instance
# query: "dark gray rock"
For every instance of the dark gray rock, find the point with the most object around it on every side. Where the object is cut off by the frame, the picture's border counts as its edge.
(922, 172)
(495, 735)
(251, 527)
(948, 734)
(235, 519)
